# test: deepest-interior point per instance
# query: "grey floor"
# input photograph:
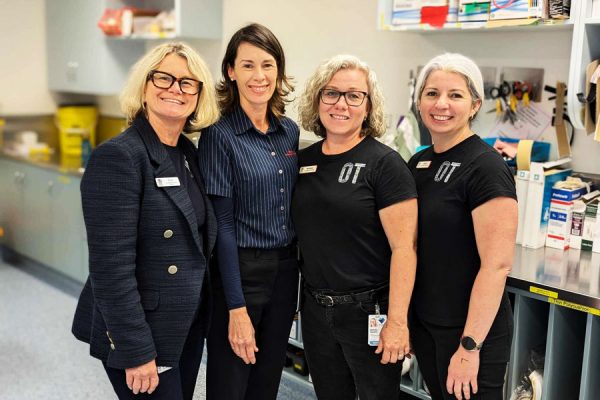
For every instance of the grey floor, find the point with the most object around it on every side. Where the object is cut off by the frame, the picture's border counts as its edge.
(40, 359)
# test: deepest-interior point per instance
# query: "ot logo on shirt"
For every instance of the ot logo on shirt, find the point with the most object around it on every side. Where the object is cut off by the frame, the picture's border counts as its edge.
(346, 172)
(445, 170)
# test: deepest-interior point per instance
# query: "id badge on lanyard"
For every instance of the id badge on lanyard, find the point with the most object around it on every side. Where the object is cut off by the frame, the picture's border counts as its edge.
(375, 324)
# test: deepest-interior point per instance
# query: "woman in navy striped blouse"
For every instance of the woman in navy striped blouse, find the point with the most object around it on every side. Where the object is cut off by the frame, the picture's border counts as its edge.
(249, 163)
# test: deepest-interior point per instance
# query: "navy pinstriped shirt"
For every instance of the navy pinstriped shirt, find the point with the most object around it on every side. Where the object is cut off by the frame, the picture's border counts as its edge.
(258, 171)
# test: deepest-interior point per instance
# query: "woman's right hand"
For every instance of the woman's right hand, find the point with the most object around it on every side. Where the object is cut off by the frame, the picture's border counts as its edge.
(143, 378)
(241, 335)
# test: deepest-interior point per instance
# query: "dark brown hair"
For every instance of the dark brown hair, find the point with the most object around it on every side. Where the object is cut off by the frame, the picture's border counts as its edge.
(261, 37)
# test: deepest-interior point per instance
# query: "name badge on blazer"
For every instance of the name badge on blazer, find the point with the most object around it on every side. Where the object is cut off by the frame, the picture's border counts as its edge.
(168, 181)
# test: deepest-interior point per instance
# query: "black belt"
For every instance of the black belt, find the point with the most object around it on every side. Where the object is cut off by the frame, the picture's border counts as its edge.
(330, 299)
(290, 250)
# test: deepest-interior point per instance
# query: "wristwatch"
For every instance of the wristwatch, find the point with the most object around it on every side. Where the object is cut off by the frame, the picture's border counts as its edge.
(469, 344)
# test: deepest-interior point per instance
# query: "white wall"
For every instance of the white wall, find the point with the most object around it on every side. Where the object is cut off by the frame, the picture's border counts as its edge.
(23, 82)
(310, 31)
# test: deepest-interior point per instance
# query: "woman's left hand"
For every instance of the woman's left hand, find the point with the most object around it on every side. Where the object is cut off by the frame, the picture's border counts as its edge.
(394, 342)
(462, 373)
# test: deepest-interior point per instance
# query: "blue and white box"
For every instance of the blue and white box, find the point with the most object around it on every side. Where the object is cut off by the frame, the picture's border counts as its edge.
(561, 211)
(406, 12)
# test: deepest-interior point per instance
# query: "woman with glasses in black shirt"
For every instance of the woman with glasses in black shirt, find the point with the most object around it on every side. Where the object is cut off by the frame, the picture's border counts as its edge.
(355, 213)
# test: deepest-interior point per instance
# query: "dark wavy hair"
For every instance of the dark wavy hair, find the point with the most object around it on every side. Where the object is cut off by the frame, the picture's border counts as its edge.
(261, 37)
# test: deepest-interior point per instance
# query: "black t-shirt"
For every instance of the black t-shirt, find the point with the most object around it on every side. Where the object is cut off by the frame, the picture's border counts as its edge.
(450, 186)
(335, 209)
(187, 179)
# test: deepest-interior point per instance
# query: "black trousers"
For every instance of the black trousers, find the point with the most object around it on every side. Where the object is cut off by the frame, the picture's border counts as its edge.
(270, 283)
(434, 345)
(179, 382)
(341, 362)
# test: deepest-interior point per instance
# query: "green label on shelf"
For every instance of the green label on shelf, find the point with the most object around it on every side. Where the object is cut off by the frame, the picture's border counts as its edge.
(578, 307)
(543, 292)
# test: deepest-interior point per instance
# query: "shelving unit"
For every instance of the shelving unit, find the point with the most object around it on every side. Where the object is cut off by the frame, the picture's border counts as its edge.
(557, 313)
(585, 42)
(81, 59)
(385, 23)
(194, 19)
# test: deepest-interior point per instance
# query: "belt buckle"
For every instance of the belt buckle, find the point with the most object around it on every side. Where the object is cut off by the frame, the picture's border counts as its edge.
(325, 300)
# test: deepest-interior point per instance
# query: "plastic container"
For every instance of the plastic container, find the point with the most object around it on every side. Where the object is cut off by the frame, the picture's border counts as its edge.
(75, 122)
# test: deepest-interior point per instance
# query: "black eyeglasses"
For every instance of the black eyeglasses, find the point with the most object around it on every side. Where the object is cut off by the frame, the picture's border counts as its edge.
(353, 98)
(163, 80)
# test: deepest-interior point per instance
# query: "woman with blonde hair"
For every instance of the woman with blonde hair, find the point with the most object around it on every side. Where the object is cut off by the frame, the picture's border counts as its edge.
(150, 230)
(355, 213)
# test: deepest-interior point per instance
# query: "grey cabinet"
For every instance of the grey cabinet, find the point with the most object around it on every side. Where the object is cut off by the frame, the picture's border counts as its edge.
(81, 59)
(40, 210)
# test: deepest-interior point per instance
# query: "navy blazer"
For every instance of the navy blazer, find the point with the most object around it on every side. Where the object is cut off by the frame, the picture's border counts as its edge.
(146, 258)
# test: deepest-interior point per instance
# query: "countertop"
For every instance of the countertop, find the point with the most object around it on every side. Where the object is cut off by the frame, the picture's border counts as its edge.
(68, 165)
(570, 278)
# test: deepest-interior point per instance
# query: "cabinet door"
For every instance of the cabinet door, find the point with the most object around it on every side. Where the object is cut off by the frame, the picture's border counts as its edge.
(67, 227)
(11, 193)
(80, 58)
(31, 223)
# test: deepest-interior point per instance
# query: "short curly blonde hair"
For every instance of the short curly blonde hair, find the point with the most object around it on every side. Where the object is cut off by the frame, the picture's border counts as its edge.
(308, 107)
(132, 97)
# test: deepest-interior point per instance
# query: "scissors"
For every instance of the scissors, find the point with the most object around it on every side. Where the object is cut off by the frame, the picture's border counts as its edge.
(500, 94)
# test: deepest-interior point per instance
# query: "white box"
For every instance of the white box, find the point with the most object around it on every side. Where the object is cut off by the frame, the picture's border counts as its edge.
(590, 225)
(537, 212)
(452, 11)
(406, 12)
(521, 184)
(578, 218)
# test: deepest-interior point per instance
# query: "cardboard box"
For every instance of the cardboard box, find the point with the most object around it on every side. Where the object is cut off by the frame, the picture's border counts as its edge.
(561, 211)
(539, 191)
(578, 218)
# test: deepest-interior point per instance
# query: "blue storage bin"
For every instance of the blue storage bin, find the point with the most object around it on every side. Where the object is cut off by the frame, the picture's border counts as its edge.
(540, 152)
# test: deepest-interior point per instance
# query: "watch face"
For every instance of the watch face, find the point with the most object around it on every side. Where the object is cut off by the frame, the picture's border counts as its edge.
(468, 343)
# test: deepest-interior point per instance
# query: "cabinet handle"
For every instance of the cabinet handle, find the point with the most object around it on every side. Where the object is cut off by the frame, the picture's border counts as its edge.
(50, 186)
(19, 177)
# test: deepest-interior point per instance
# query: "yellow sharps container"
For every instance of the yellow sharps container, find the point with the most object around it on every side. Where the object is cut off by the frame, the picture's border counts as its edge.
(75, 122)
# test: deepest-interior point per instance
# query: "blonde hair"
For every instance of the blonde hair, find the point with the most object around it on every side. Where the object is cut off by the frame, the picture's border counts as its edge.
(308, 108)
(132, 97)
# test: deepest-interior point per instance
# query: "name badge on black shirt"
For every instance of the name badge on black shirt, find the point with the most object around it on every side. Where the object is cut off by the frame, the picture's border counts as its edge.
(309, 169)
